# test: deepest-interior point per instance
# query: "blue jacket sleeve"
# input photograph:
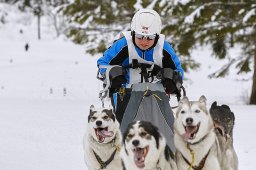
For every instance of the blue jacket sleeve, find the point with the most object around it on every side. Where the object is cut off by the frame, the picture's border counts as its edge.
(174, 58)
(110, 54)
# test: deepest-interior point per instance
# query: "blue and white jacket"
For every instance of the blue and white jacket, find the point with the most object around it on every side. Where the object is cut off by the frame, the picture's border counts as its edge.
(123, 51)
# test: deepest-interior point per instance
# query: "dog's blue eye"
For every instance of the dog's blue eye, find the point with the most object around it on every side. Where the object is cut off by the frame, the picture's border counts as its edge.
(197, 111)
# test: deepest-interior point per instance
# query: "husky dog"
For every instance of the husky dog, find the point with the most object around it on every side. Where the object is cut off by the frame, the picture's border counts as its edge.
(145, 148)
(102, 140)
(196, 141)
(223, 118)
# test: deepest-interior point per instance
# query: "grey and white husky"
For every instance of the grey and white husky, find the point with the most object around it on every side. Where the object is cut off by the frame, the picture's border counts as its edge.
(198, 145)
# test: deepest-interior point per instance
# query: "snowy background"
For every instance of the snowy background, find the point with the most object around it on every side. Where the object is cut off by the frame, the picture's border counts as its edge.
(45, 94)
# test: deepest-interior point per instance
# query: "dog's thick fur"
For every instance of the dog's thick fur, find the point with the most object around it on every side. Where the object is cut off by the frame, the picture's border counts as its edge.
(198, 144)
(102, 140)
(145, 148)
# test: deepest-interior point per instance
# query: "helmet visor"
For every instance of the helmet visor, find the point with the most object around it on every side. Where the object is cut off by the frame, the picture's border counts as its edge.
(147, 37)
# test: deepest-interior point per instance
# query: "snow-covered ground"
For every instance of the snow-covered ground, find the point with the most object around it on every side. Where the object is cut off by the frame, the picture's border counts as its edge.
(45, 94)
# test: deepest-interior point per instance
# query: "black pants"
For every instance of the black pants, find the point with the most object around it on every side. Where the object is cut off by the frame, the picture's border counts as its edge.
(121, 104)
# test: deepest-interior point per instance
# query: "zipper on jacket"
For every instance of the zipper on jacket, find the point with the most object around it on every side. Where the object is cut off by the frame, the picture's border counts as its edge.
(143, 55)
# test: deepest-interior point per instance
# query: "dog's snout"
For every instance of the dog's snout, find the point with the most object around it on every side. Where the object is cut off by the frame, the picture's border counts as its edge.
(98, 123)
(189, 120)
(136, 142)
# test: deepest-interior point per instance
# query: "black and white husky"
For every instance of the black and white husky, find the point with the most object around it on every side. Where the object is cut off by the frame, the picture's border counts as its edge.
(198, 147)
(102, 140)
(144, 148)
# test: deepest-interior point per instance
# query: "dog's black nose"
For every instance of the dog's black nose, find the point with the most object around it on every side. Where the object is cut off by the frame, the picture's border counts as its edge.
(189, 120)
(136, 142)
(98, 123)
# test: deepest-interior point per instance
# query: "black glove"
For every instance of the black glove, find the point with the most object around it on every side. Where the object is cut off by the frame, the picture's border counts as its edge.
(172, 81)
(170, 86)
(117, 82)
(116, 77)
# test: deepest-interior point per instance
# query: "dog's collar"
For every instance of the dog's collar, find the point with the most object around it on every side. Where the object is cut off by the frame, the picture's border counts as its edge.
(201, 163)
(103, 164)
(118, 147)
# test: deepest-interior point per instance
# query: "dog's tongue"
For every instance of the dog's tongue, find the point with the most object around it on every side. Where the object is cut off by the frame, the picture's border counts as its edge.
(105, 133)
(189, 131)
(139, 158)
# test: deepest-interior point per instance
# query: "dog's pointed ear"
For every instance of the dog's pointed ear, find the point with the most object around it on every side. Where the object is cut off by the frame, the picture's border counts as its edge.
(184, 100)
(214, 104)
(110, 107)
(202, 99)
(92, 108)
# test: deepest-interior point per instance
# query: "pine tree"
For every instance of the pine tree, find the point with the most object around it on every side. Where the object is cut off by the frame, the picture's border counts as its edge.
(97, 22)
(222, 24)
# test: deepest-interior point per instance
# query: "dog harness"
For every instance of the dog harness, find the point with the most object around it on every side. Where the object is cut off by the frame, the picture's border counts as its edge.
(201, 163)
(103, 164)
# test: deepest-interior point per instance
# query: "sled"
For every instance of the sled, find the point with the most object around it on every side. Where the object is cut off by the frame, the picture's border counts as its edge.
(149, 102)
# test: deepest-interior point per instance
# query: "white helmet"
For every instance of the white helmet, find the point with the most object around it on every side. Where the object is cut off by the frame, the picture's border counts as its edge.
(146, 22)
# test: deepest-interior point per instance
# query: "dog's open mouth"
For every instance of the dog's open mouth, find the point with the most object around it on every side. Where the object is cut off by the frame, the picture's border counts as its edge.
(190, 132)
(220, 130)
(103, 133)
(140, 155)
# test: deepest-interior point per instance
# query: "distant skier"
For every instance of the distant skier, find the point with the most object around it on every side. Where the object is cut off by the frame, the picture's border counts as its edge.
(26, 47)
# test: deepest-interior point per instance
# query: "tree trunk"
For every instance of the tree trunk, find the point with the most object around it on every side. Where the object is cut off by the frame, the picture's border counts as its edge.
(38, 26)
(56, 25)
(253, 95)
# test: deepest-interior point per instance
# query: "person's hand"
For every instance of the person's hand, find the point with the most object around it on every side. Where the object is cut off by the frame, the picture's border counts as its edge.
(173, 86)
(117, 82)
(170, 86)
(117, 77)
